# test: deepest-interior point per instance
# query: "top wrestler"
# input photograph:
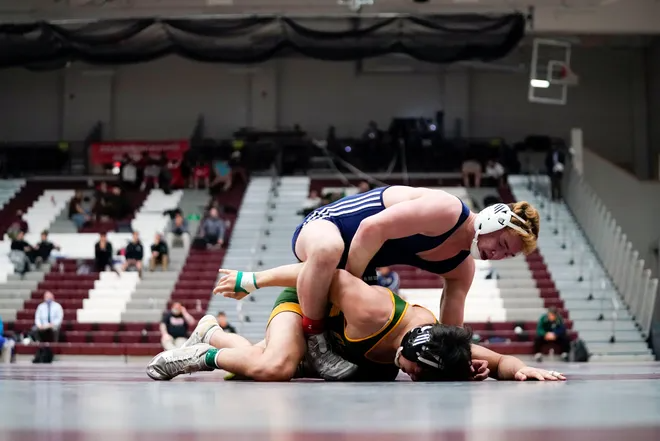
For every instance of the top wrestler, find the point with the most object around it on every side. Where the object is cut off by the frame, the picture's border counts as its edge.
(425, 228)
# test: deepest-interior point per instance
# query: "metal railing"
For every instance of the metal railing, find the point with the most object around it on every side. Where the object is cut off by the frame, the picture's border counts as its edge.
(638, 290)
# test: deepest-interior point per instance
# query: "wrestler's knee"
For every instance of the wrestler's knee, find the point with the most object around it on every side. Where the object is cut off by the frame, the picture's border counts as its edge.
(279, 369)
(326, 253)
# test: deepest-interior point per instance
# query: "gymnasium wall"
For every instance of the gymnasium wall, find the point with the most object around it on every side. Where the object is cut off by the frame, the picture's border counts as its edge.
(653, 82)
(635, 204)
(162, 100)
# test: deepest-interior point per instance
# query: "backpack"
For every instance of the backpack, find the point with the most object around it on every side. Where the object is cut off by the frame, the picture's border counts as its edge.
(579, 352)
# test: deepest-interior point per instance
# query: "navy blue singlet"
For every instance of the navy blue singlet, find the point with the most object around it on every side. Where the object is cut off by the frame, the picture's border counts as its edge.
(348, 212)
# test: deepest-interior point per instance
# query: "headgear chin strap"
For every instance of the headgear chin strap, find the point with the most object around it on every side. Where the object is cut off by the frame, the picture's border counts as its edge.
(414, 348)
(490, 220)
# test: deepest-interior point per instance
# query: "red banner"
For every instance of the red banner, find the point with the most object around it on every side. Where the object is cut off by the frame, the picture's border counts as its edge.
(108, 152)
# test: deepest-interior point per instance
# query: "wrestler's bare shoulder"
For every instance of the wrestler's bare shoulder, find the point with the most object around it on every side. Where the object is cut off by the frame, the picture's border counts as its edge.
(400, 193)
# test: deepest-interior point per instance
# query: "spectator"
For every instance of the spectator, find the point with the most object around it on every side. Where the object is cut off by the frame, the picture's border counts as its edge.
(551, 328)
(102, 201)
(178, 232)
(363, 187)
(471, 169)
(120, 206)
(496, 171)
(44, 248)
(151, 174)
(6, 345)
(134, 253)
(213, 229)
(554, 164)
(102, 254)
(47, 322)
(222, 177)
(224, 324)
(312, 202)
(22, 254)
(159, 254)
(201, 173)
(174, 327)
(19, 225)
(388, 279)
(129, 173)
(78, 215)
(177, 180)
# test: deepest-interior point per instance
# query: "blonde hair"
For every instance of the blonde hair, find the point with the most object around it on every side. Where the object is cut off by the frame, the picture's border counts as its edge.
(531, 226)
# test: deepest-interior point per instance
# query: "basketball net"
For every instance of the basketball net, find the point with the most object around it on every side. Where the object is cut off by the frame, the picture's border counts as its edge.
(562, 74)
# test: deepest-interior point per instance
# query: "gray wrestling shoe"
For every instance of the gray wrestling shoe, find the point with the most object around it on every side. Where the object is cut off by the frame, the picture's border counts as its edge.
(201, 332)
(169, 364)
(327, 363)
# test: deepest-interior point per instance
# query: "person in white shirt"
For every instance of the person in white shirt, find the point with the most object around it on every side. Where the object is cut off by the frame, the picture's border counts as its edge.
(496, 171)
(48, 319)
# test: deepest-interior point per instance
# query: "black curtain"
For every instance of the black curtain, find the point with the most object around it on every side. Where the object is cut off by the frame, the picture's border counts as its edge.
(435, 39)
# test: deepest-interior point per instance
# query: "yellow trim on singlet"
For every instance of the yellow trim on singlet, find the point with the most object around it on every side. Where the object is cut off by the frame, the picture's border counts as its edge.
(285, 307)
(389, 320)
(396, 325)
(424, 307)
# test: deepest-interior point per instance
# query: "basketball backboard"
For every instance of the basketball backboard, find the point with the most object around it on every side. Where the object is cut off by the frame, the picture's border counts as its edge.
(550, 74)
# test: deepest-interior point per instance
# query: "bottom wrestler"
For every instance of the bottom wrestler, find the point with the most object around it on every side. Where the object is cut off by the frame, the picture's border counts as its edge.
(369, 325)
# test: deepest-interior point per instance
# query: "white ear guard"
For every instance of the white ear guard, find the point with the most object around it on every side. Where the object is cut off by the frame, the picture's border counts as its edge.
(492, 219)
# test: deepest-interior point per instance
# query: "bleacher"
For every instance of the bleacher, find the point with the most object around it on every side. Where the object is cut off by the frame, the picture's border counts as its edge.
(95, 304)
(598, 312)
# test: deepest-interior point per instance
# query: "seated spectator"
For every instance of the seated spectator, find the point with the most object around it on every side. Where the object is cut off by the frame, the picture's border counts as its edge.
(47, 322)
(6, 346)
(159, 254)
(151, 174)
(496, 171)
(363, 187)
(22, 254)
(101, 206)
(201, 174)
(174, 327)
(178, 232)
(551, 328)
(213, 229)
(222, 177)
(119, 206)
(19, 225)
(224, 324)
(102, 254)
(388, 279)
(78, 215)
(134, 254)
(312, 202)
(471, 169)
(44, 248)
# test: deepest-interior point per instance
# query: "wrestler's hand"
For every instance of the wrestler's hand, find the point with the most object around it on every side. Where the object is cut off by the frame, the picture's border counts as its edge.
(480, 370)
(227, 284)
(531, 373)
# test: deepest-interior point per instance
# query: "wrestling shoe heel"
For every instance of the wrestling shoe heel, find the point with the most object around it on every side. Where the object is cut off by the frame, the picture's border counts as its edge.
(328, 364)
(204, 326)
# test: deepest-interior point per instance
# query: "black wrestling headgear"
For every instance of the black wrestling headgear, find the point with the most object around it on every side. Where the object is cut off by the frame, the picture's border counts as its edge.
(414, 347)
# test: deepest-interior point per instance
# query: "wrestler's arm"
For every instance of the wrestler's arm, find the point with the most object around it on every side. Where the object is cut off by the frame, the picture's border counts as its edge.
(457, 285)
(424, 214)
(502, 367)
(509, 368)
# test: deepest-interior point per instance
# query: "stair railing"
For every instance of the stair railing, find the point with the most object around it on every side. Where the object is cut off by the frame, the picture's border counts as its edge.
(638, 290)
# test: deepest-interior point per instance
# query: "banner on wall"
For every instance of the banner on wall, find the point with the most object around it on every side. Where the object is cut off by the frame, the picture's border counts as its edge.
(108, 152)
